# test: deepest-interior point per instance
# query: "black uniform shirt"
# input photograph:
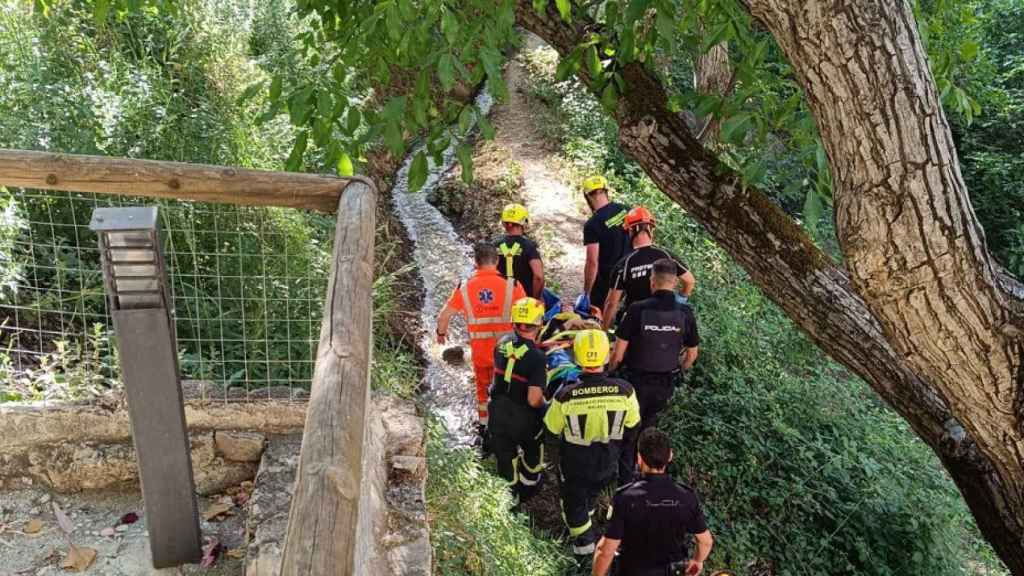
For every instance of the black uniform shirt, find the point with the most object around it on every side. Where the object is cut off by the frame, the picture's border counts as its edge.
(652, 518)
(632, 274)
(526, 251)
(657, 328)
(604, 228)
(528, 369)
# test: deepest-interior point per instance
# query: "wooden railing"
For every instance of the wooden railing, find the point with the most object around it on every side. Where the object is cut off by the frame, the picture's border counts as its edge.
(322, 536)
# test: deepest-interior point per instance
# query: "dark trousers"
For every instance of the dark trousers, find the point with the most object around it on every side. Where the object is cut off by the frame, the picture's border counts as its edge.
(653, 393)
(579, 494)
(513, 427)
(599, 292)
(522, 471)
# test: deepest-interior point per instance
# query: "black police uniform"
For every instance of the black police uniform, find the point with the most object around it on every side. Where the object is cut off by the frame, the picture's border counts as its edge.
(591, 416)
(604, 228)
(632, 273)
(519, 251)
(657, 329)
(653, 518)
(514, 424)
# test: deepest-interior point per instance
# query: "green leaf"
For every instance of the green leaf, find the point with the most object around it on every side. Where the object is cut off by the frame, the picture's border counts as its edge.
(446, 72)
(353, 120)
(450, 27)
(609, 97)
(540, 6)
(393, 138)
(249, 92)
(735, 128)
(720, 33)
(627, 48)
(324, 104)
(635, 10)
(486, 128)
(812, 210)
(394, 22)
(418, 172)
(465, 155)
(345, 167)
(294, 162)
(394, 109)
(969, 50)
(564, 9)
(100, 10)
(666, 26)
(567, 66)
(275, 88)
(593, 63)
(465, 120)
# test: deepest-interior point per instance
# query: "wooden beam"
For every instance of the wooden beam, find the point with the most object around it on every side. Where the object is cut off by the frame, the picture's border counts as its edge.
(171, 180)
(322, 533)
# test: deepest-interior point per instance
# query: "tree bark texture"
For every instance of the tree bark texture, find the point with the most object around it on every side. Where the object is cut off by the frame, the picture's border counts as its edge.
(874, 322)
(712, 74)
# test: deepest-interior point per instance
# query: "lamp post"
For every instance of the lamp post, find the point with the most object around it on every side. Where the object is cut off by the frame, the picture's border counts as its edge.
(136, 284)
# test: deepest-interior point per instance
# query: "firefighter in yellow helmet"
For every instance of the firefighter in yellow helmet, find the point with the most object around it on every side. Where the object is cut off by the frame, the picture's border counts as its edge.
(604, 239)
(591, 417)
(520, 258)
(517, 398)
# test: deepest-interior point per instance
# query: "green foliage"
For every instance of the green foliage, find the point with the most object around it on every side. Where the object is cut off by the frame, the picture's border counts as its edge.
(73, 371)
(471, 527)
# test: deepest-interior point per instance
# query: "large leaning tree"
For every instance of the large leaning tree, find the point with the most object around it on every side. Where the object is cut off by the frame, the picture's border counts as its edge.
(917, 307)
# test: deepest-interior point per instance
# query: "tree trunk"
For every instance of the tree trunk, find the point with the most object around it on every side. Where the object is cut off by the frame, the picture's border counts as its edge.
(712, 74)
(961, 408)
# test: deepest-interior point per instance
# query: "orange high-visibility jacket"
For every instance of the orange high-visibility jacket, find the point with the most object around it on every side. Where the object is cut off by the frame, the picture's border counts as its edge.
(486, 299)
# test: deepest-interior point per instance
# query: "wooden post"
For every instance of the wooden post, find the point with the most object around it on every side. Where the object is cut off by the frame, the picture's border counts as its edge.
(171, 180)
(322, 538)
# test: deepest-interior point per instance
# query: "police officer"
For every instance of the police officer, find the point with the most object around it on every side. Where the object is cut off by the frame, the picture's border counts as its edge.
(631, 275)
(651, 518)
(520, 258)
(590, 416)
(517, 395)
(656, 339)
(604, 238)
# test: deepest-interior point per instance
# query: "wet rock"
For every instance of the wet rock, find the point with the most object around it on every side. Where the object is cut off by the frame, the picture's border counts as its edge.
(240, 446)
(454, 355)
(404, 429)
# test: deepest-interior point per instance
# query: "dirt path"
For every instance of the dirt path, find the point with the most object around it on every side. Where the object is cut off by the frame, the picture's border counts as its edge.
(556, 210)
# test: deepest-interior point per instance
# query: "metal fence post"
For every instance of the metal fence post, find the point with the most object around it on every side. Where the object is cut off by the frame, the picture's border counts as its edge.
(136, 285)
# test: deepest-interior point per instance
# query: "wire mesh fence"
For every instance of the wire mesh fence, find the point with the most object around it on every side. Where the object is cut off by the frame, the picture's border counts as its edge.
(247, 284)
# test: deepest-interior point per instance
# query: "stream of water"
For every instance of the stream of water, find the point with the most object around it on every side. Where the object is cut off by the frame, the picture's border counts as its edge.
(442, 259)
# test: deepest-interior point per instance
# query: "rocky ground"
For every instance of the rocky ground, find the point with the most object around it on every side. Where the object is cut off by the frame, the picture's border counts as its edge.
(109, 531)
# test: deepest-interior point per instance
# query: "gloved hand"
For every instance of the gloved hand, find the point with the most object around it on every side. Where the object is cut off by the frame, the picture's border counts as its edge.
(582, 305)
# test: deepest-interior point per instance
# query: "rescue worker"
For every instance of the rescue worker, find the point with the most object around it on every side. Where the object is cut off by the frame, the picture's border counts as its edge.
(655, 341)
(631, 275)
(591, 417)
(650, 520)
(520, 258)
(605, 240)
(517, 397)
(486, 300)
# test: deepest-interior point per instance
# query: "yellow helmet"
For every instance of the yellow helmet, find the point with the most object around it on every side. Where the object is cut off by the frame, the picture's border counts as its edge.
(528, 311)
(591, 347)
(515, 214)
(594, 183)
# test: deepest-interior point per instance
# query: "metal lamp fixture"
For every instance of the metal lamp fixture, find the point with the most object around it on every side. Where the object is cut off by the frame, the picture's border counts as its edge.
(138, 291)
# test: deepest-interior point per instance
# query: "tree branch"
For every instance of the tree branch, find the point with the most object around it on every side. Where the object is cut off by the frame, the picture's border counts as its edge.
(784, 263)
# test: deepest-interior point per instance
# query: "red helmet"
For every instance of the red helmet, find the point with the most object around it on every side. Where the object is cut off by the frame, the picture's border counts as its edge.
(638, 215)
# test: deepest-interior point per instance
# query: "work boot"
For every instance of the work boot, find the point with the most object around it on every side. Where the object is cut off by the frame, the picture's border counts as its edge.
(483, 440)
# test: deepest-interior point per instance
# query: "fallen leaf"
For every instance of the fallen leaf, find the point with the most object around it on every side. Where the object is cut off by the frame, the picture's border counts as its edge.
(108, 532)
(215, 510)
(211, 551)
(78, 559)
(33, 526)
(226, 500)
(129, 518)
(247, 485)
(236, 553)
(62, 519)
